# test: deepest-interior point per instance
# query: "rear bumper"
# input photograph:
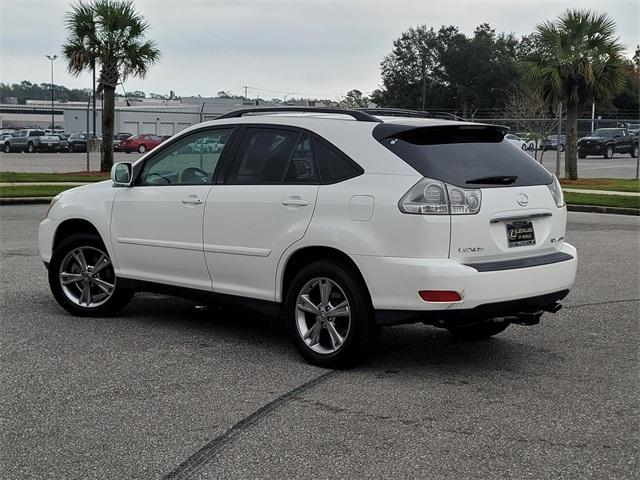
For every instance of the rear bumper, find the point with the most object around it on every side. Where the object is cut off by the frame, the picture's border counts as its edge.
(511, 308)
(394, 282)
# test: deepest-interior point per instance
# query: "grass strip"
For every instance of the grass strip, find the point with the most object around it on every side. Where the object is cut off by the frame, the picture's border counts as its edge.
(53, 177)
(601, 200)
(615, 184)
(33, 190)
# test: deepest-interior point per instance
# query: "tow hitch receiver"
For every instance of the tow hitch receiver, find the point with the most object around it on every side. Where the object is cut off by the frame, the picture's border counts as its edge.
(526, 318)
(532, 317)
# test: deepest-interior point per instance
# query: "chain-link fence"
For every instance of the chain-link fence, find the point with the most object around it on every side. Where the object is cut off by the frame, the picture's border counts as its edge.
(69, 139)
(79, 131)
(539, 137)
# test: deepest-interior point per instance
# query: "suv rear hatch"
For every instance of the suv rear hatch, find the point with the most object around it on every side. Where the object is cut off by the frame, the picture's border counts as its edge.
(519, 213)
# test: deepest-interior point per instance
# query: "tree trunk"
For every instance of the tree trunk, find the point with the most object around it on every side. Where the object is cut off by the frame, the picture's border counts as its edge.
(571, 145)
(107, 128)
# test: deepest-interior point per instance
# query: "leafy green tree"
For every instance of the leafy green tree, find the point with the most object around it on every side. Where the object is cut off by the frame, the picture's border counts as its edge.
(578, 60)
(354, 99)
(26, 90)
(627, 102)
(109, 35)
(448, 69)
(410, 69)
(479, 69)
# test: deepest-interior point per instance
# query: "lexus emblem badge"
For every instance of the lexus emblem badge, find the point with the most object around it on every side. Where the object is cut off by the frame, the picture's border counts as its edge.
(523, 200)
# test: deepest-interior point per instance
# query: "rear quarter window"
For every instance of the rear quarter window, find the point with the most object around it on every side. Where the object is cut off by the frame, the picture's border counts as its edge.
(334, 165)
(462, 155)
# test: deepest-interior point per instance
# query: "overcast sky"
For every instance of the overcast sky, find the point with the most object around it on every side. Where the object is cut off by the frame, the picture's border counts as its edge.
(306, 47)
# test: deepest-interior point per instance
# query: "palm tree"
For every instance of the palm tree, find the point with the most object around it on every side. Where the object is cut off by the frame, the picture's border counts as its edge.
(110, 35)
(577, 60)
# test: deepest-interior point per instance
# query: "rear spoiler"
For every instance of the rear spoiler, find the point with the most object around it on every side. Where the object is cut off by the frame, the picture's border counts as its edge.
(386, 130)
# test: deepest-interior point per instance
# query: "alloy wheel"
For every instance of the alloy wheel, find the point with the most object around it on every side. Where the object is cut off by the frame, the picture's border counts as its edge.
(323, 315)
(87, 277)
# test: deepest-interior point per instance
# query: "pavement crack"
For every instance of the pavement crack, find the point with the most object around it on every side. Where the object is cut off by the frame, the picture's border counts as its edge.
(200, 458)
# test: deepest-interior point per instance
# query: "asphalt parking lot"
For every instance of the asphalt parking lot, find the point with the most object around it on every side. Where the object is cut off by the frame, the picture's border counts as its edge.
(170, 391)
(620, 166)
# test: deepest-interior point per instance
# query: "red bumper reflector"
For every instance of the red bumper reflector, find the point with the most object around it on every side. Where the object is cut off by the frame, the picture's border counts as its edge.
(439, 296)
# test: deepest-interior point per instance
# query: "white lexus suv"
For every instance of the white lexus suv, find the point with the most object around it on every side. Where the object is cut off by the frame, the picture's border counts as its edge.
(340, 221)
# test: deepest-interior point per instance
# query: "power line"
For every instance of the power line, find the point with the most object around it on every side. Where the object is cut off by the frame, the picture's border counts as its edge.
(289, 92)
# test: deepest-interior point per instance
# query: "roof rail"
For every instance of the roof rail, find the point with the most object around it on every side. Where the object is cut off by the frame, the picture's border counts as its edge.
(358, 115)
(402, 112)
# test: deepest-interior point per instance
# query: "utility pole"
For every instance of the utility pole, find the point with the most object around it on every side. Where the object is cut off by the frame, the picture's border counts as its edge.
(593, 114)
(245, 91)
(52, 58)
(558, 141)
(424, 82)
(94, 99)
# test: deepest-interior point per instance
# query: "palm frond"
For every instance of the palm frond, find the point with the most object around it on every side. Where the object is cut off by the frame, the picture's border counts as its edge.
(111, 34)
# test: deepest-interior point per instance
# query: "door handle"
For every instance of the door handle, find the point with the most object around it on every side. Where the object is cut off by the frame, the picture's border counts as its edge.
(295, 201)
(191, 200)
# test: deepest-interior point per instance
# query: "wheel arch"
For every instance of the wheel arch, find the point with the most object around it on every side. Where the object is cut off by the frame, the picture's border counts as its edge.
(306, 255)
(72, 226)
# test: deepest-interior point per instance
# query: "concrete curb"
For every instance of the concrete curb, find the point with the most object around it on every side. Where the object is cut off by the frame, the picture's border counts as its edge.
(571, 208)
(25, 200)
(608, 210)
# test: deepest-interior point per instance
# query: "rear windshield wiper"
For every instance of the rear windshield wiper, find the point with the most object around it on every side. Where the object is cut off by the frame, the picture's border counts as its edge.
(495, 180)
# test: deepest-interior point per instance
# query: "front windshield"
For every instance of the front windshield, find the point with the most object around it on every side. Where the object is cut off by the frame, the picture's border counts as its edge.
(604, 133)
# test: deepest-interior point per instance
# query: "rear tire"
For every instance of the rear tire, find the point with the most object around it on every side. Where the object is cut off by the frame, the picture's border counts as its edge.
(81, 272)
(634, 151)
(323, 339)
(30, 148)
(477, 331)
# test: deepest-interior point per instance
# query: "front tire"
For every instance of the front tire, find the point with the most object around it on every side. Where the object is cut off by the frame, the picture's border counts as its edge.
(634, 151)
(82, 279)
(608, 153)
(477, 331)
(30, 148)
(329, 314)
(7, 148)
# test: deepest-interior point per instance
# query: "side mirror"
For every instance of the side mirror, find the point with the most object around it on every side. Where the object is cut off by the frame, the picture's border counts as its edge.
(122, 174)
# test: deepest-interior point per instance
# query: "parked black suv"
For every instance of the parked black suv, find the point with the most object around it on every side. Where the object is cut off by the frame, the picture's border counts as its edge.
(607, 141)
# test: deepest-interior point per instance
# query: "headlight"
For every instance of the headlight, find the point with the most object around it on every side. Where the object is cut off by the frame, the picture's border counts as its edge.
(53, 202)
(432, 197)
(556, 192)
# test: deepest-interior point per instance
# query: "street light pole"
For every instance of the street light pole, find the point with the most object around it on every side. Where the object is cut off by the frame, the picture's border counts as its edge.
(94, 99)
(52, 58)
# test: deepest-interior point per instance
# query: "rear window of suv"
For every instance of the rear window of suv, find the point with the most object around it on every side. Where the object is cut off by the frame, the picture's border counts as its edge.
(466, 156)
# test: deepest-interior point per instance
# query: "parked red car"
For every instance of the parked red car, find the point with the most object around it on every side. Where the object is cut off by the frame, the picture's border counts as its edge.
(140, 143)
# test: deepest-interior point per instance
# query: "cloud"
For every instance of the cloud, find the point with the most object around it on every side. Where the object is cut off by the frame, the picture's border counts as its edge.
(305, 46)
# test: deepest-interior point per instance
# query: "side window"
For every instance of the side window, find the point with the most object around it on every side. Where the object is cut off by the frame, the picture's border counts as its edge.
(302, 168)
(263, 156)
(189, 161)
(334, 167)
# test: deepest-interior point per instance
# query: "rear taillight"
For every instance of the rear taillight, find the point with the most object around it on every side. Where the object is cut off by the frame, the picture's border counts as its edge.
(433, 197)
(556, 191)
